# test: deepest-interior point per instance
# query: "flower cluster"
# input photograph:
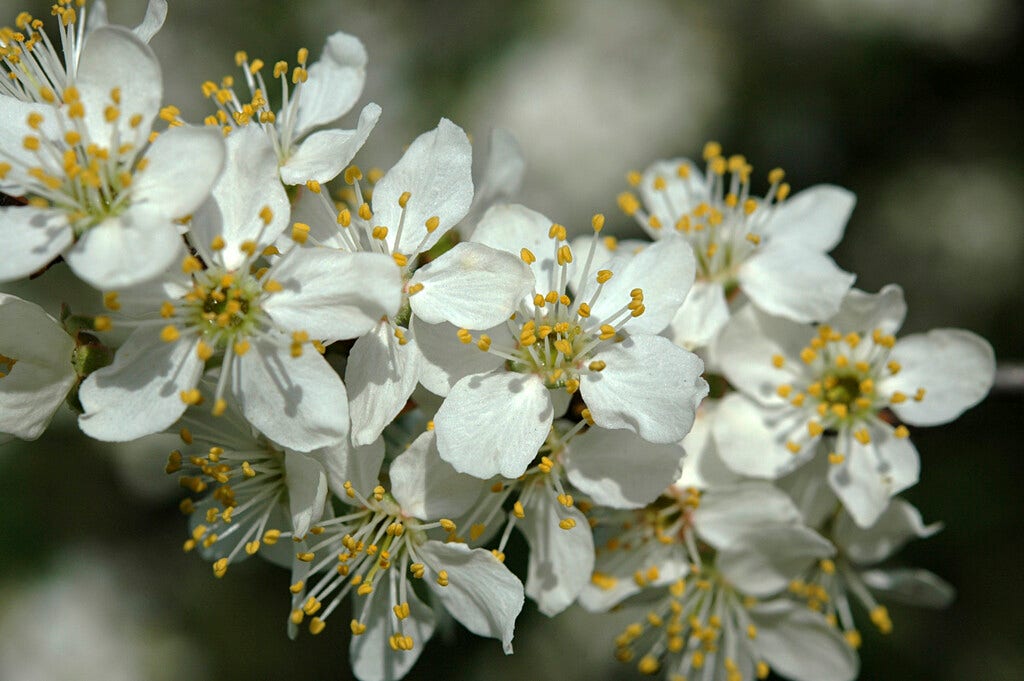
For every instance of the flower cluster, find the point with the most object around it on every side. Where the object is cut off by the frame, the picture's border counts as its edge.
(377, 378)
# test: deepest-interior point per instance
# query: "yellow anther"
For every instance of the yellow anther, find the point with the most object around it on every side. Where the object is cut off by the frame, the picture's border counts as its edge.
(597, 365)
(270, 537)
(465, 336)
(364, 211)
(901, 432)
(442, 578)
(364, 589)
(357, 628)
(484, 343)
(567, 523)
(447, 525)
(648, 665)
(31, 143)
(633, 177)
(762, 670)
(203, 350)
(316, 625)
(299, 75)
(272, 286)
(219, 407)
(793, 447)
(564, 255)
(256, 66)
(814, 428)
(344, 217)
(607, 332)
(218, 243)
(353, 174)
(603, 276)
(919, 395)
(840, 410)
(220, 568)
(517, 510)
(300, 232)
(783, 192)
(432, 223)
(305, 556)
(169, 334)
(862, 436)
(835, 459)
(712, 150)
(628, 203)
(557, 232)
(808, 355)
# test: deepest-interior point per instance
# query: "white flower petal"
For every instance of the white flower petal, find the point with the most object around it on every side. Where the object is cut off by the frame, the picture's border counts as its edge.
(561, 561)
(816, 501)
(14, 115)
(752, 439)
(182, 166)
(436, 170)
(333, 295)
(899, 523)
(347, 463)
(747, 345)
(763, 562)
(129, 249)
(727, 513)
(955, 367)
(42, 374)
(679, 196)
(472, 286)
(618, 469)
(799, 644)
(114, 57)
(446, 360)
(371, 654)
(872, 474)
(307, 490)
(156, 13)
(481, 594)
(911, 586)
(381, 374)
(864, 312)
(791, 280)
(664, 271)
(494, 423)
(335, 82)
(324, 154)
(249, 182)
(649, 386)
(428, 488)
(702, 316)
(815, 217)
(140, 393)
(298, 402)
(499, 178)
(511, 228)
(703, 468)
(32, 238)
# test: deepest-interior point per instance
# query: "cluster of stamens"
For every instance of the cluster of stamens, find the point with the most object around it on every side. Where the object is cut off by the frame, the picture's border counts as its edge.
(839, 384)
(242, 488)
(555, 337)
(234, 112)
(702, 622)
(31, 62)
(723, 224)
(361, 551)
(87, 181)
(828, 590)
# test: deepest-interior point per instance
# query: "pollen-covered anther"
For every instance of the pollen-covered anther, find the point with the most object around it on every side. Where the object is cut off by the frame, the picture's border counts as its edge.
(442, 578)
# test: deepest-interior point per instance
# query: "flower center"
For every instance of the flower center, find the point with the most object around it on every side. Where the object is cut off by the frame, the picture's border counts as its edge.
(223, 306)
(233, 112)
(719, 218)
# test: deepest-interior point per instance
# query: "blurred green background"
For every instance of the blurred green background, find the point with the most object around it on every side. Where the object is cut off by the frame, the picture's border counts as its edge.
(914, 105)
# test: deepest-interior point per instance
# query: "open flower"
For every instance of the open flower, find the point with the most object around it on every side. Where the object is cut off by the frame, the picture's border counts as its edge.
(713, 609)
(381, 544)
(264, 327)
(799, 384)
(771, 249)
(600, 343)
(36, 370)
(320, 94)
(99, 194)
